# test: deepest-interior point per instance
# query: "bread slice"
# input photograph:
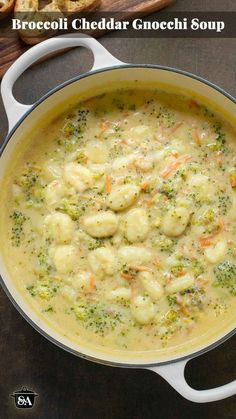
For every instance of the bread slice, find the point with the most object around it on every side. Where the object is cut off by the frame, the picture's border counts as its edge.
(6, 7)
(60, 7)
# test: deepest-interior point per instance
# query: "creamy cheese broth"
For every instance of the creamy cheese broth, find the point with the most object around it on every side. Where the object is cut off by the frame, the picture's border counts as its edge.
(121, 221)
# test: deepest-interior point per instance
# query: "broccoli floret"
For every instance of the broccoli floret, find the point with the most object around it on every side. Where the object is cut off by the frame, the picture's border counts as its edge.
(45, 290)
(18, 220)
(28, 178)
(225, 274)
(73, 209)
(32, 186)
(164, 244)
(96, 316)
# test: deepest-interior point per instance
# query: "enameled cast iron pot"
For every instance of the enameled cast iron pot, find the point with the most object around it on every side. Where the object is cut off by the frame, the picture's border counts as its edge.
(106, 70)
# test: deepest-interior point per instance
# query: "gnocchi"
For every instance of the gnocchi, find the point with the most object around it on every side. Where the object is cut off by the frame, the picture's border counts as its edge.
(60, 227)
(137, 225)
(120, 225)
(175, 221)
(123, 197)
(181, 284)
(216, 253)
(122, 294)
(55, 191)
(103, 261)
(78, 176)
(142, 309)
(134, 255)
(102, 224)
(151, 286)
(65, 258)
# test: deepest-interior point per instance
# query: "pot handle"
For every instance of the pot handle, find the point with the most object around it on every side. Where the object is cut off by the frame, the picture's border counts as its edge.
(174, 374)
(15, 109)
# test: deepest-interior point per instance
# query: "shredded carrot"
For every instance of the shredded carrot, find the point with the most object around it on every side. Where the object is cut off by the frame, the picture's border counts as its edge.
(171, 167)
(232, 180)
(205, 241)
(91, 282)
(128, 277)
(221, 223)
(175, 153)
(196, 136)
(131, 165)
(179, 300)
(219, 158)
(201, 282)
(124, 141)
(193, 103)
(159, 136)
(149, 202)
(175, 127)
(140, 268)
(103, 127)
(183, 309)
(157, 263)
(108, 184)
(181, 273)
(144, 186)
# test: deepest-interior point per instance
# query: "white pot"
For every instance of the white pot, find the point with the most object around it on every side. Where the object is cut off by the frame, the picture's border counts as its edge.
(106, 71)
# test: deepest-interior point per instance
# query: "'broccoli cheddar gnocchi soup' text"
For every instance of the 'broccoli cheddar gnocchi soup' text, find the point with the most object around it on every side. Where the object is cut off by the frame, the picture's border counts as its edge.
(121, 220)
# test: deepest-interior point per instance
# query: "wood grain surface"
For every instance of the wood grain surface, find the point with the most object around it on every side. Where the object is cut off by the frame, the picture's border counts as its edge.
(11, 46)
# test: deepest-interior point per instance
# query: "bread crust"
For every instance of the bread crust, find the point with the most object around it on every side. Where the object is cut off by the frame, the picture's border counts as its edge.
(60, 7)
(6, 9)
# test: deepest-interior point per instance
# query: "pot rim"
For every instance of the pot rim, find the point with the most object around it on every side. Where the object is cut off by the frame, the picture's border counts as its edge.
(4, 286)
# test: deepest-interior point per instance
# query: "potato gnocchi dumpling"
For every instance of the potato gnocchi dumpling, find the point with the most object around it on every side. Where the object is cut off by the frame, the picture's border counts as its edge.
(143, 309)
(122, 197)
(55, 191)
(60, 227)
(137, 225)
(175, 221)
(65, 258)
(78, 176)
(121, 222)
(101, 224)
(97, 152)
(134, 255)
(103, 262)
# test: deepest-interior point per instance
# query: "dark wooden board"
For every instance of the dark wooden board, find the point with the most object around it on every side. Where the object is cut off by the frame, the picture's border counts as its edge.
(11, 46)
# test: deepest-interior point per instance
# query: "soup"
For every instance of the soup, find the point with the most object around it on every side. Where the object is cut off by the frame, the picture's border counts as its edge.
(121, 220)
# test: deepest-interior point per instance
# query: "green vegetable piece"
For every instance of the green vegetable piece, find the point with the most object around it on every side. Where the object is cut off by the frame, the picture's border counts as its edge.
(225, 274)
(18, 221)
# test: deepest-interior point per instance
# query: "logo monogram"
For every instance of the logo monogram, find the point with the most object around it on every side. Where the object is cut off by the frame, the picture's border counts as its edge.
(24, 398)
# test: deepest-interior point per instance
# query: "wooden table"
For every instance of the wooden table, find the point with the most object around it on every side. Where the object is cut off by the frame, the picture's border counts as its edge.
(70, 387)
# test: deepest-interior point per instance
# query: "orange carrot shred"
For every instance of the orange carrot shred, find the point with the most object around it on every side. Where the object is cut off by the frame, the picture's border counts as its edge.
(103, 127)
(221, 224)
(157, 263)
(108, 184)
(91, 282)
(149, 202)
(128, 277)
(205, 241)
(196, 136)
(232, 181)
(144, 186)
(193, 103)
(175, 127)
(171, 167)
(140, 268)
